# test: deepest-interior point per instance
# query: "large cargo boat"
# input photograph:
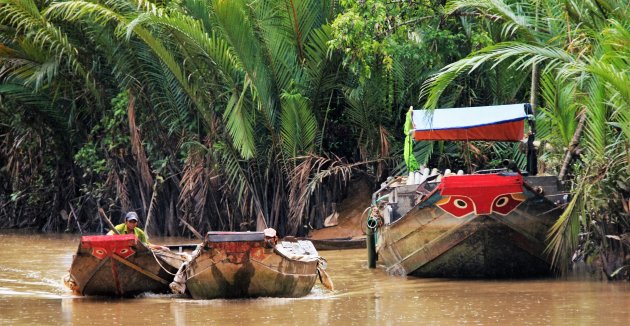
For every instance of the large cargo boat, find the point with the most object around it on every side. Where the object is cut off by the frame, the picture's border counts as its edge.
(490, 224)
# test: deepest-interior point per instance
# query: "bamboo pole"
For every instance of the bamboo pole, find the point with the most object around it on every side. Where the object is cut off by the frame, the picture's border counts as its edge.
(107, 221)
(150, 212)
(192, 229)
(76, 219)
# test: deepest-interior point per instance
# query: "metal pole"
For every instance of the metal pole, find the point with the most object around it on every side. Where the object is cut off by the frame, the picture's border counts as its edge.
(371, 248)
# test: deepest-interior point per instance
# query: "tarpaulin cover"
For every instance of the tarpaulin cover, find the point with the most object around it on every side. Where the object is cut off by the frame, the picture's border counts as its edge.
(214, 236)
(491, 123)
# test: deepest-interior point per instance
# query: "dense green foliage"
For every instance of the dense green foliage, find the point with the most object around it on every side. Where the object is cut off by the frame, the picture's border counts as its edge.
(224, 113)
(200, 108)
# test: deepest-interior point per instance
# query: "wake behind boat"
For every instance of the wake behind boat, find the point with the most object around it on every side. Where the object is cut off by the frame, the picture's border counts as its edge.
(120, 266)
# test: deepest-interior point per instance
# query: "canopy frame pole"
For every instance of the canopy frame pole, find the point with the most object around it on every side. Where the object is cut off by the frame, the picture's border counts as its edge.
(532, 152)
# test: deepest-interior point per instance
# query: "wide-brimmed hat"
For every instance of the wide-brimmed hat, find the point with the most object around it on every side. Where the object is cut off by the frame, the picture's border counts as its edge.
(131, 216)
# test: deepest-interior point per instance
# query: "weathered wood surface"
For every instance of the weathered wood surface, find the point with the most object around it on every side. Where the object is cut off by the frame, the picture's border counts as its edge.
(248, 269)
(427, 241)
(123, 268)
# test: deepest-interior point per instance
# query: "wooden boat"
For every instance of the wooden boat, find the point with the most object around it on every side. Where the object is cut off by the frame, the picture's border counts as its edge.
(248, 264)
(490, 225)
(120, 265)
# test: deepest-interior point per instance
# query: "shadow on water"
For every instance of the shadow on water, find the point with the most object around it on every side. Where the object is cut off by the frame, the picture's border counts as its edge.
(32, 292)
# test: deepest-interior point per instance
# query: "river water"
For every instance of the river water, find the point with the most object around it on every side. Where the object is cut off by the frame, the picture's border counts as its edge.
(32, 293)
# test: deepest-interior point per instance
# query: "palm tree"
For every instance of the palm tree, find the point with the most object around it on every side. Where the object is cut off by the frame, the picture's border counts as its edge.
(46, 91)
(258, 75)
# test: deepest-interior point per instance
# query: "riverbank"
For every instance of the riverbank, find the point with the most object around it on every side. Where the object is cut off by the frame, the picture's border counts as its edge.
(350, 215)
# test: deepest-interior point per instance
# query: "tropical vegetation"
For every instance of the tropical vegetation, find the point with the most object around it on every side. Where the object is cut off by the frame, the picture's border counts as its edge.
(227, 114)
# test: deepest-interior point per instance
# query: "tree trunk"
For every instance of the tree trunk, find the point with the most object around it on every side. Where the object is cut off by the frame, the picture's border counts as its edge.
(571, 149)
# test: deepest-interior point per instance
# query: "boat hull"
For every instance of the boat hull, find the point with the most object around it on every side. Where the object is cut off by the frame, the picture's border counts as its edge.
(246, 268)
(428, 241)
(119, 266)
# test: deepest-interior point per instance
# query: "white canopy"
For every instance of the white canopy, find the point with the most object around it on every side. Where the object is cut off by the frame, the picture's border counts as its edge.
(498, 122)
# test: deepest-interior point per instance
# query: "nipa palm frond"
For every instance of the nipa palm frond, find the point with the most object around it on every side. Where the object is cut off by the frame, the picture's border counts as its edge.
(298, 125)
(522, 56)
(563, 235)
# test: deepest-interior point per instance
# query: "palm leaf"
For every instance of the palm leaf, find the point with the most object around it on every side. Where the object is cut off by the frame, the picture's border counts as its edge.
(523, 56)
(563, 235)
(298, 126)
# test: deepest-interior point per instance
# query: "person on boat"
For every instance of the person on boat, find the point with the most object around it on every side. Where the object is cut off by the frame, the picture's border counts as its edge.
(131, 226)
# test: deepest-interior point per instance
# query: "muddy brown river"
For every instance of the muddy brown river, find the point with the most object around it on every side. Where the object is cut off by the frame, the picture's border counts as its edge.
(32, 293)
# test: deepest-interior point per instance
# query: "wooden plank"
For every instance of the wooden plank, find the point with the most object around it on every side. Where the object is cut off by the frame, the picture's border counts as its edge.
(90, 277)
(440, 245)
(140, 269)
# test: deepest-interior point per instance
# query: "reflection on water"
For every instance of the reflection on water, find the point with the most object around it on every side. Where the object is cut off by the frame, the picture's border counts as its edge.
(31, 292)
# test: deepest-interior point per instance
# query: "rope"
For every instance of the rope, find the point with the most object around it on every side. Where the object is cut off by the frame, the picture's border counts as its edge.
(158, 261)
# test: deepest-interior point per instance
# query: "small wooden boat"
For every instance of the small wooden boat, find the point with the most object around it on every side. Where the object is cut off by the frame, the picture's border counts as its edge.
(120, 265)
(488, 225)
(248, 265)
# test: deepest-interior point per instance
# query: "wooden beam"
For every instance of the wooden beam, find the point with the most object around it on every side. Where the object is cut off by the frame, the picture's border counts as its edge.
(139, 269)
(107, 221)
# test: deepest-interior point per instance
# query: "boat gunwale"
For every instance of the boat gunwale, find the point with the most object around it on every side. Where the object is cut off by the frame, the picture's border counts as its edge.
(527, 187)
(83, 256)
(213, 263)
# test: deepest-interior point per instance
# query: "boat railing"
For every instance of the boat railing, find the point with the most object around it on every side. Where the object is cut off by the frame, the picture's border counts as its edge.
(490, 171)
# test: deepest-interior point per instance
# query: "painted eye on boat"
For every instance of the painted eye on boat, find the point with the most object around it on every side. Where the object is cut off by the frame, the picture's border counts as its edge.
(100, 252)
(505, 204)
(502, 201)
(460, 203)
(124, 251)
(458, 206)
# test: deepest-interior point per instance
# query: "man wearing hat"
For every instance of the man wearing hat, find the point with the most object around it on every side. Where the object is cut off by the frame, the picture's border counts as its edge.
(131, 226)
